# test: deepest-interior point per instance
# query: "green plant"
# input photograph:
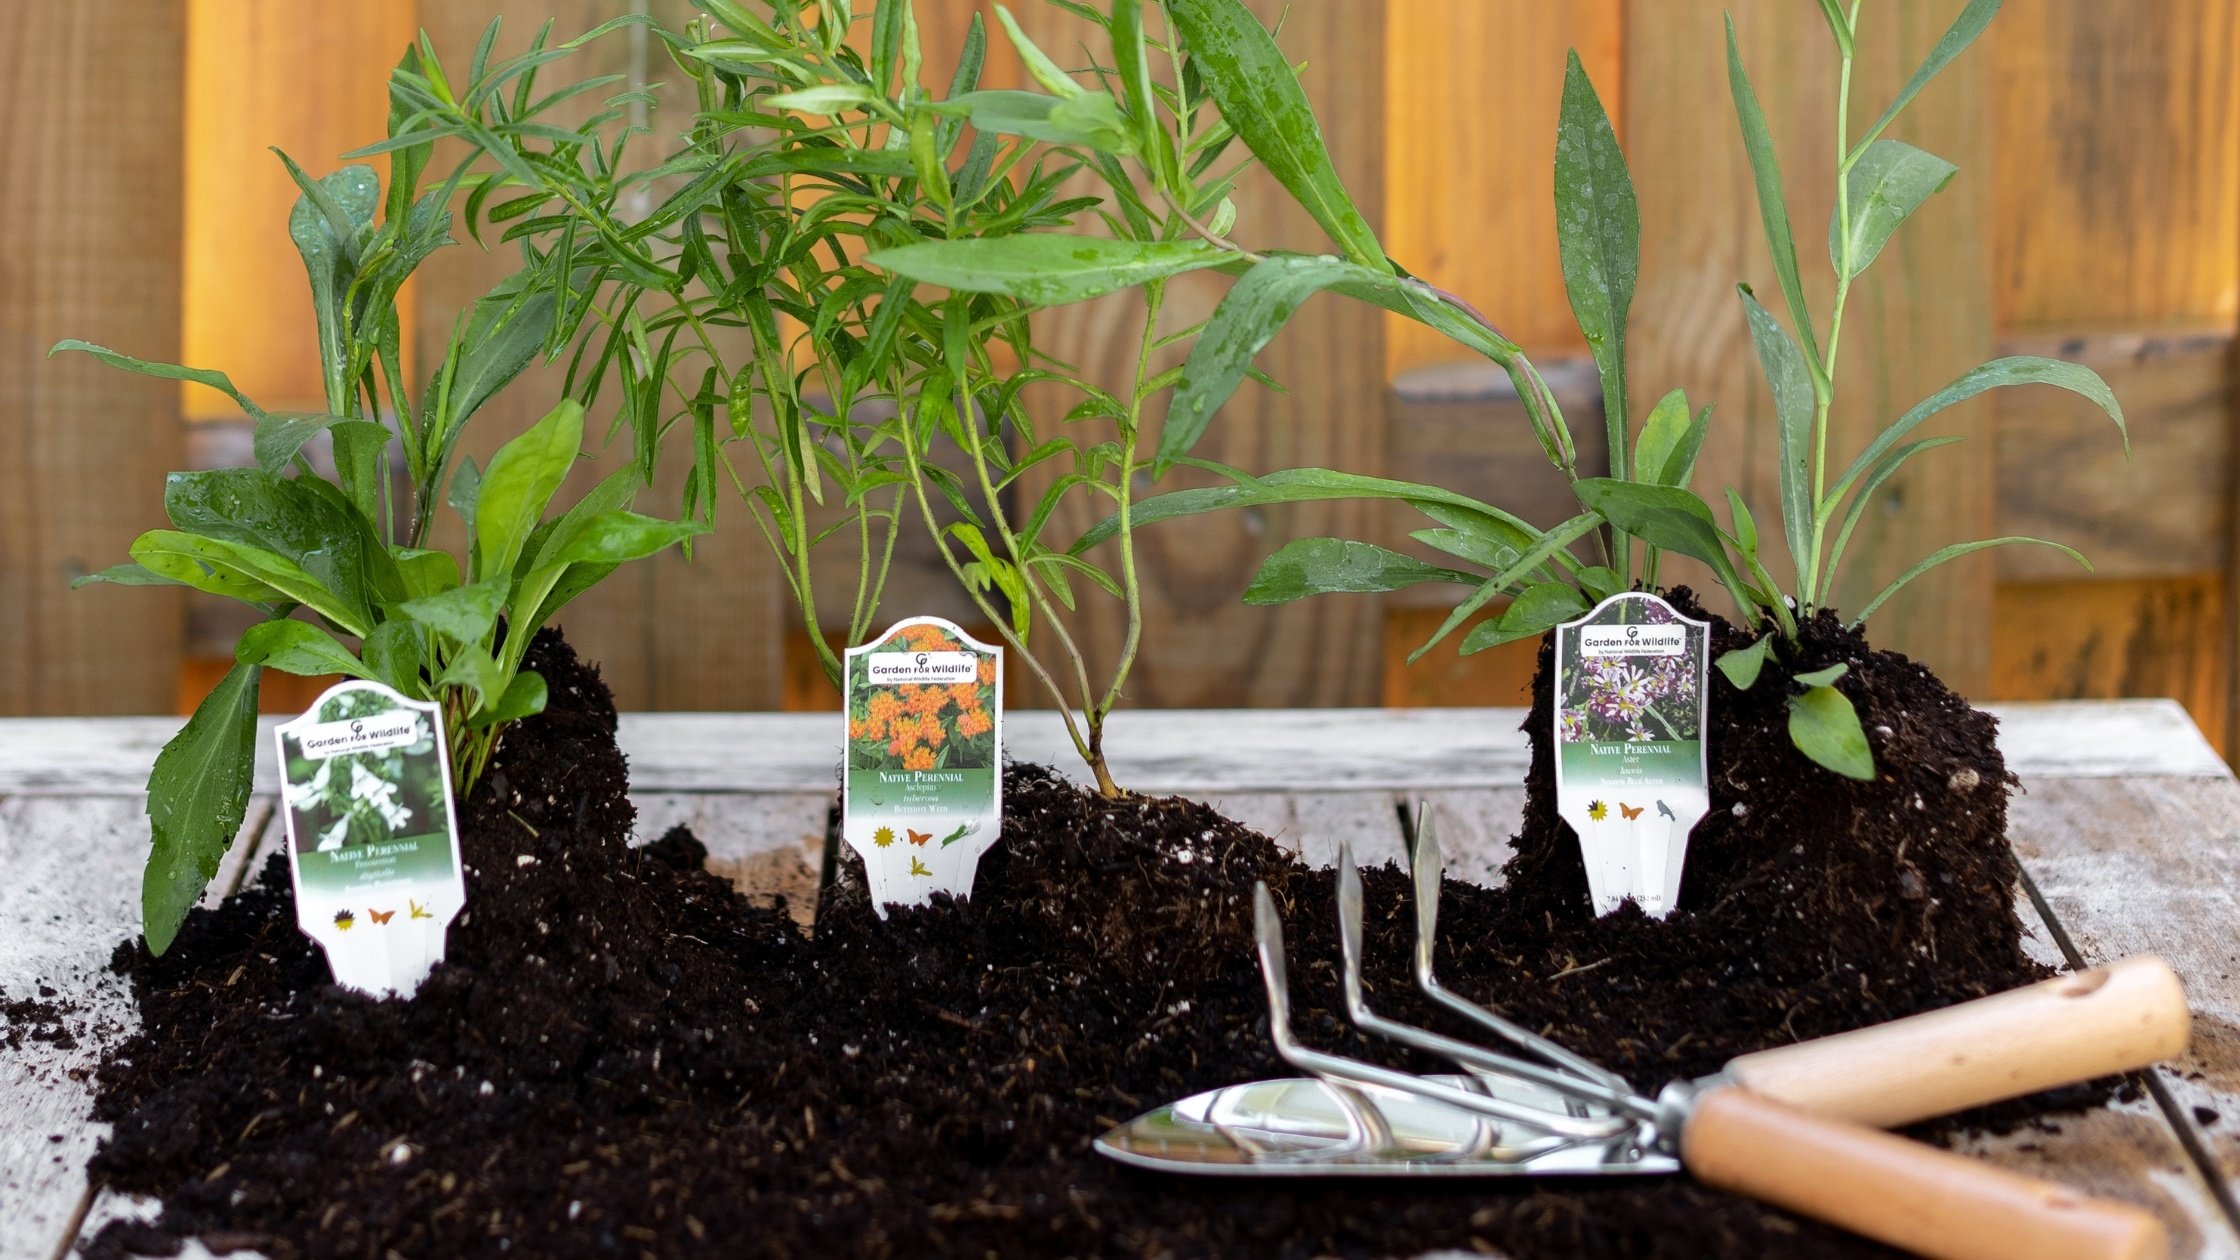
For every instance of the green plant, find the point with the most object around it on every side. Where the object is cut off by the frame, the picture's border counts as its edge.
(327, 559)
(1645, 501)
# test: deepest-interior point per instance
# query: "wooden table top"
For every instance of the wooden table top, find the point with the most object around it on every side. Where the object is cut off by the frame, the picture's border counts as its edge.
(2128, 827)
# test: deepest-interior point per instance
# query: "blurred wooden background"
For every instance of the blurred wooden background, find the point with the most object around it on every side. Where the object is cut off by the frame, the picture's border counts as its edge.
(2096, 216)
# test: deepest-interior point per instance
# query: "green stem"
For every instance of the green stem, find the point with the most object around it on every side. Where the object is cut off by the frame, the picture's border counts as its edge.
(1154, 295)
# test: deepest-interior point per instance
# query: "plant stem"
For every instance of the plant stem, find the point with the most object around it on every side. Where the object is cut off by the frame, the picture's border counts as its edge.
(1813, 582)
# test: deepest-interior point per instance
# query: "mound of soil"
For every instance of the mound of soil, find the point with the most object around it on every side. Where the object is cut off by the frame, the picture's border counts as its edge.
(623, 1057)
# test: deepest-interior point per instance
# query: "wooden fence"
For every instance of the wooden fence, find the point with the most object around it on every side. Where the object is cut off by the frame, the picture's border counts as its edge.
(2097, 215)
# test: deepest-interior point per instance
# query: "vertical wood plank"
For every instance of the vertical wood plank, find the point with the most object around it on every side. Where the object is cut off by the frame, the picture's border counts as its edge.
(263, 74)
(2119, 171)
(1916, 320)
(667, 633)
(1472, 93)
(1202, 647)
(90, 249)
(2098, 640)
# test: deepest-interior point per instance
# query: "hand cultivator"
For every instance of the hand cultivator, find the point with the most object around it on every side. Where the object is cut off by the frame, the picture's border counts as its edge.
(1789, 1126)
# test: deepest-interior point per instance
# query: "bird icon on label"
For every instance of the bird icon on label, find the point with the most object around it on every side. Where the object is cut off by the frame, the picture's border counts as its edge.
(1665, 811)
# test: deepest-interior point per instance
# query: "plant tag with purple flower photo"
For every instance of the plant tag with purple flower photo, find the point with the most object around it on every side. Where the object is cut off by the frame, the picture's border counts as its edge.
(373, 839)
(922, 788)
(1631, 774)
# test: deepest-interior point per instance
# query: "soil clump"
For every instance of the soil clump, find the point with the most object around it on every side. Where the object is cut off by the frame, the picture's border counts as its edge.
(623, 1057)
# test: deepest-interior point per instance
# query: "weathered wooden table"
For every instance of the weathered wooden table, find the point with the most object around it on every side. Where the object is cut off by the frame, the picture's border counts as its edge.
(2128, 828)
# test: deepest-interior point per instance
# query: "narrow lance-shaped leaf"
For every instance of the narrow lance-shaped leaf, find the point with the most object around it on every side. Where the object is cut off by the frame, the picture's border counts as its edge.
(1598, 238)
(166, 371)
(1954, 552)
(1955, 41)
(1885, 187)
(1546, 547)
(2023, 369)
(1250, 315)
(1046, 269)
(1791, 382)
(1858, 509)
(198, 794)
(1295, 485)
(1259, 95)
(1530, 615)
(1765, 172)
(1324, 566)
(1665, 517)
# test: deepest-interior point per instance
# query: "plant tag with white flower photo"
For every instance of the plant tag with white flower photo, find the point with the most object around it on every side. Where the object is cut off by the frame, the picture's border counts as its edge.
(373, 838)
(922, 789)
(1631, 774)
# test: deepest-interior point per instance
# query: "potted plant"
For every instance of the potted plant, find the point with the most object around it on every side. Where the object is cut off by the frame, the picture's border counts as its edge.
(620, 1055)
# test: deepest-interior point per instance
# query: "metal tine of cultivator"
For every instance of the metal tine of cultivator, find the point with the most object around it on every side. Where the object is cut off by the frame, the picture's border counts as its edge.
(1429, 866)
(1476, 1059)
(1341, 1073)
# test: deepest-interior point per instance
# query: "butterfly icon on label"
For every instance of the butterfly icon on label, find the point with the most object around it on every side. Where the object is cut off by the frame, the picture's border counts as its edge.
(920, 838)
(381, 916)
(1631, 812)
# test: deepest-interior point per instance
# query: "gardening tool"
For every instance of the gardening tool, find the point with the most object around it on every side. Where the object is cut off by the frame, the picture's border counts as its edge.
(1785, 1125)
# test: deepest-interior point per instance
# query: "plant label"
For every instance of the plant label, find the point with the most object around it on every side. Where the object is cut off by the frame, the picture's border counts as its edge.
(1631, 774)
(922, 788)
(373, 838)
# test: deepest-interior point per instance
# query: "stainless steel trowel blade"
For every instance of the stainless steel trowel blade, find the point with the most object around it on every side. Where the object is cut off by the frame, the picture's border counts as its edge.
(1297, 1127)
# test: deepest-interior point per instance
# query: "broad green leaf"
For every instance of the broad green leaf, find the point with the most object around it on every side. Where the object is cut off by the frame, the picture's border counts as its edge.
(618, 537)
(1745, 525)
(1765, 172)
(611, 495)
(426, 572)
(328, 224)
(463, 614)
(1476, 548)
(393, 654)
(501, 336)
(296, 647)
(198, 794)
(358, 447)
(1889, 183)
(1954, 552)
(1531, 558)
(1530, 615)
(1599, 582)
(522, 478)
(303, 521)
(1663, 435)
(1046, 269)
(465, 490)
(1955, 40)
(1665, 517)
(1821, 677)
(1598, 239)
(524, 697)
(280, 435)
(1825, 728)
(1248, 318)
(475, 671)
(166, 371)
(1791, 382)
(125, 575)
(1742, 665)
(1260, 96)
(2022, 369)
(1323, 566)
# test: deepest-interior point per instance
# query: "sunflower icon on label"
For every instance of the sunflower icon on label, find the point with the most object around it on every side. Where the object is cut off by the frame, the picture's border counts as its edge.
(883, 837)
(1597, 810)
(344, 920)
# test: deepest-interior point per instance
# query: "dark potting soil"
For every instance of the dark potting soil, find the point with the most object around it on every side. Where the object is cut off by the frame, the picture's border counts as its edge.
(624, 1057)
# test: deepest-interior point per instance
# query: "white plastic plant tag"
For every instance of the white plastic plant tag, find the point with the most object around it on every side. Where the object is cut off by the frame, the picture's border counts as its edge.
(922, 791)
(373, 838)
(1631, 773)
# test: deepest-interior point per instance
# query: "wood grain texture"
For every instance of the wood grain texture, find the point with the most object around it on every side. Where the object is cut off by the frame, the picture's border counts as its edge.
(90, 249)
(2164, 512)
(1916, 320)
(1202, 647)
(260, 76)
(1472, 94)
(2090, 639)
(2118, 175)
(667, 633)
(2146, 865)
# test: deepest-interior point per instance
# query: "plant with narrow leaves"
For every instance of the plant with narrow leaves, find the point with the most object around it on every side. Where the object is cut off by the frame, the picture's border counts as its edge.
(342, 576)
(1646, 500)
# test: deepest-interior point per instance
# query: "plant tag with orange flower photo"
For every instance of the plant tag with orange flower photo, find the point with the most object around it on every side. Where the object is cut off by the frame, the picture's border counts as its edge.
(922, 789)
(371, 830)
(1631, 773)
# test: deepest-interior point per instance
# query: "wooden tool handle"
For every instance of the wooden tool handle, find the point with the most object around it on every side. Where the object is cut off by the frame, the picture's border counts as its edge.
(1900, 1192)
(2071, 1028)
